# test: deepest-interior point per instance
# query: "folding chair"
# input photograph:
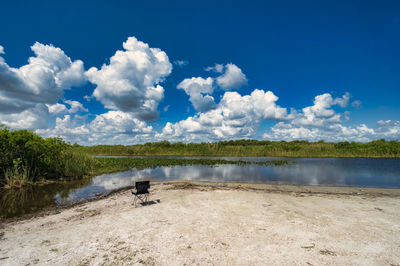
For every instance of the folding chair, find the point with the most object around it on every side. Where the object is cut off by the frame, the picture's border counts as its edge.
(142, 192)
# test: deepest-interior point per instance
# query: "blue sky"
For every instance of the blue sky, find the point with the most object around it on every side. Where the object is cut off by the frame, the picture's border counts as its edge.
(331, 69)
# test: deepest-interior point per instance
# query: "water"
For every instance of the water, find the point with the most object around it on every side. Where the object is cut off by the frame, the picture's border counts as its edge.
(359, 172)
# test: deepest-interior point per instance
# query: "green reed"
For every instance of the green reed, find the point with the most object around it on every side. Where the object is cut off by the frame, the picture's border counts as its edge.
(109, 165)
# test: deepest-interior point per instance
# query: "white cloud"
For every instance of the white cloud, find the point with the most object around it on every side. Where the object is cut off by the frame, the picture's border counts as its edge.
(42, 80)
(321, 122)
(232, 78)
(31, 118)
(334, 132)
(356, 104)
(181, 63)
(75, 106)
(321, 113)
(113, 127)
(313, 121)
(388, 129)
(69, 129)
(235, 116)
(198, 90)
(119, 122)
(29, 94)
(344, 101)
(58, 108)
(218, 68)
(87, 98)
(31, 97)
(130, 81)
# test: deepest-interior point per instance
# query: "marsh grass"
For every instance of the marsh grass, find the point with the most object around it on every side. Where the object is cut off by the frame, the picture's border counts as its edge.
(110, 165)
(18, 175)
(77, 164)
(374, 149)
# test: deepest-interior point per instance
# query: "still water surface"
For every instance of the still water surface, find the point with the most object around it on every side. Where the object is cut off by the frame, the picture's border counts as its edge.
(360, 172)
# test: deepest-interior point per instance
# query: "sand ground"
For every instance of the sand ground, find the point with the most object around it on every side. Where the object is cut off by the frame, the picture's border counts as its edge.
(191, 223)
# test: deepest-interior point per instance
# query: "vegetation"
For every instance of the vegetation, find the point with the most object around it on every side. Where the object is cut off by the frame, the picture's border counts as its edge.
(375, 149)
(109, 165)
(26, 157)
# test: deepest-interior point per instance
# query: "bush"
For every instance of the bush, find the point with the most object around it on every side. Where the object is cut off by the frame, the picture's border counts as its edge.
(27, 157)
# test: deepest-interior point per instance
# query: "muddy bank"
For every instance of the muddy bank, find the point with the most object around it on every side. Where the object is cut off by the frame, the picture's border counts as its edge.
(215, 223)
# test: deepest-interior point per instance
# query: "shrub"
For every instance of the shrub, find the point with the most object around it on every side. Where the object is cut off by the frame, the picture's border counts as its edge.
(27, 157)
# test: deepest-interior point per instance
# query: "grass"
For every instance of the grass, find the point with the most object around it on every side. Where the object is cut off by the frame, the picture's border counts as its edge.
(374, 149)
(18, 175)
(110, 165)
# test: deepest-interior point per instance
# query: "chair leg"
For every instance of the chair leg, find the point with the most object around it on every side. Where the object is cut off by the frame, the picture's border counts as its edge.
(145, 198)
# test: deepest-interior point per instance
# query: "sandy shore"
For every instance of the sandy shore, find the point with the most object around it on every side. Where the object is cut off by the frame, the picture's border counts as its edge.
(215, 224)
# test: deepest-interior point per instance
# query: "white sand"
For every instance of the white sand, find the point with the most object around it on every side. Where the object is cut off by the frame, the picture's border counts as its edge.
(214, 224)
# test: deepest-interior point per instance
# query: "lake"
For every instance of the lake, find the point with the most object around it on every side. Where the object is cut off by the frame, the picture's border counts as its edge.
(359, 172)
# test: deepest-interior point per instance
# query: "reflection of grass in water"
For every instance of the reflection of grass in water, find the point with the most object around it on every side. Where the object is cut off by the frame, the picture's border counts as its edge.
(33, 198)
(109, 165)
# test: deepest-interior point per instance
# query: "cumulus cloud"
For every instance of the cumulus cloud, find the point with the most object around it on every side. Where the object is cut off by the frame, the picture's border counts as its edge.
(199, 91)
(69, 129)
(238, 116)
(129, 85)
(181, 63)
(32, 118)
(321, 113)
(235, 116)
(321, 122)
(119, 122)
(388, 129)
(43, 80)
(312, 120)
(356, 104)
(342, 101)
(75, 106)
(232, 78)
(130, 82)
(218, 68)
(57, 108)
(335, 132)
(113, 127)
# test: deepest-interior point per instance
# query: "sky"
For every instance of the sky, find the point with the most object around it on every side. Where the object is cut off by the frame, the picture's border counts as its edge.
(127, 72)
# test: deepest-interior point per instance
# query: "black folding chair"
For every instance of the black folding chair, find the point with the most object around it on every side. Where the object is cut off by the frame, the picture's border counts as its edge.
(142, 192)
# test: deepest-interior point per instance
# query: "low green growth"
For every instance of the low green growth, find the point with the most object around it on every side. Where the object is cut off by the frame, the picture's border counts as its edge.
(376, 149)
(110, 165)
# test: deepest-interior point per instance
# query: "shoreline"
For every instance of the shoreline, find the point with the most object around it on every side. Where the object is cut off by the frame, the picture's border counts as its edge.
(191, 222)
(199, 185)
